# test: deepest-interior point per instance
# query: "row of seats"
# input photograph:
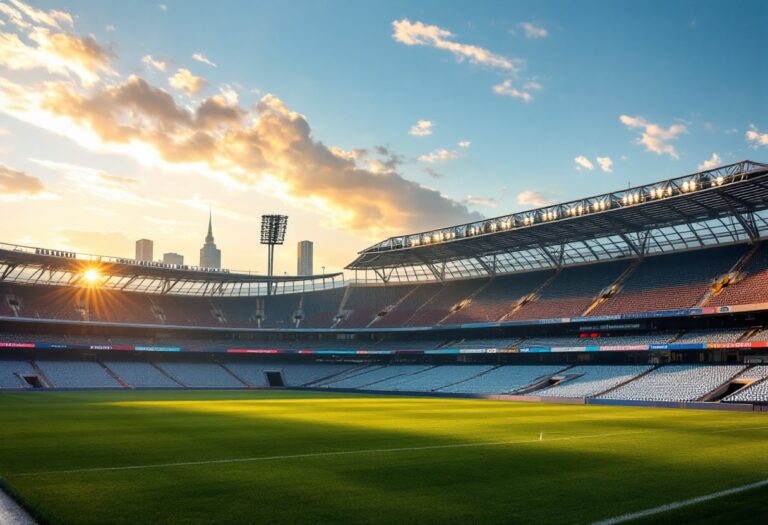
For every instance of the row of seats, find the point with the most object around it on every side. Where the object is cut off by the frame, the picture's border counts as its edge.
(617, 382)
(662, 282)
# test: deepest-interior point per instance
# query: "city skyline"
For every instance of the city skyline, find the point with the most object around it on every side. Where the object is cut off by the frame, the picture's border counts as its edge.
(121, 122)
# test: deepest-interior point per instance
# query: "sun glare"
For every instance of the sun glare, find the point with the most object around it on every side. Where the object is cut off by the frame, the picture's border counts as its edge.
(91, 276)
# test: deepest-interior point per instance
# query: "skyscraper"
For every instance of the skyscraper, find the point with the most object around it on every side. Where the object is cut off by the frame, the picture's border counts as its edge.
(173, 258)
(144, 250)
(210, 256)
(304, 258)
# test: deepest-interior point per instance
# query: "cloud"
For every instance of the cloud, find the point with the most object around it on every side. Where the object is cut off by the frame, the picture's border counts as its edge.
(22, 15)
(162, 7)
(110, 28)
(184, 80)
(464, 144)
(432, 172)
(506, 88)
(583, 162)
(755, 137)
(654, 137)
(605, 163)
(60, 53)
(532, 30)
(160, 65)
(18, 183)
(100, 184)
(439, 155)
(421, 34)
(202, 58)
(270, 149)
(713, 162)
(532, 198)
(473, 200)
(422, 128)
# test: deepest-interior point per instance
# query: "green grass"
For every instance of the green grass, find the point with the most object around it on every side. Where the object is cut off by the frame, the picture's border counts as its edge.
(594, 462)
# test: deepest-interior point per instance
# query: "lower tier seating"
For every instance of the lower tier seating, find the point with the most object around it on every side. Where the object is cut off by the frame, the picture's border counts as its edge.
(589, 381)
(676, 383)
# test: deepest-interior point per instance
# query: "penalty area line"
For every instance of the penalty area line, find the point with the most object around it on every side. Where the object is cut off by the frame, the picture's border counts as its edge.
(680, 504)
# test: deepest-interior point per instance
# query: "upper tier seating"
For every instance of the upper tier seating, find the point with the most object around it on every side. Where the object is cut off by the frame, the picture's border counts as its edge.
(571, 292)
(654, 338)
(405, 309)
(670, 282)
(320, 308)
(77, 374)
(139, 374)
(504, 379)
(730, 335)
(440, 305)
(498, 299)
(592, 380)
(676, 383)
(364, 303)
(752, 287)
(11, 369)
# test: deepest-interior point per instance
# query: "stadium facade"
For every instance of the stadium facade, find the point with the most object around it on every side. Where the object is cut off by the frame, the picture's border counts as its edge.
(653, 294)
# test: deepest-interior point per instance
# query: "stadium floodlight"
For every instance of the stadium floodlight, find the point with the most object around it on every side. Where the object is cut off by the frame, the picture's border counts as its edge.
(272, 233)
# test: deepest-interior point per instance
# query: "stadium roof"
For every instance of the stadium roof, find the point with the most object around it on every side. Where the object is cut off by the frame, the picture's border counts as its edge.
(30, 265)
(716, 206)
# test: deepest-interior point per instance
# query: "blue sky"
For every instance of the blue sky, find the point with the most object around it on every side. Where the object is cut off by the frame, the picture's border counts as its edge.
(691, 75)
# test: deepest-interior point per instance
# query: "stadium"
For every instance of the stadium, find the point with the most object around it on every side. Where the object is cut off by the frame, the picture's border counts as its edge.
(598, 360)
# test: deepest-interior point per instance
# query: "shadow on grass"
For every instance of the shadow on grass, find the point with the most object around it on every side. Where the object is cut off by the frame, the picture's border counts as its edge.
(552, 481)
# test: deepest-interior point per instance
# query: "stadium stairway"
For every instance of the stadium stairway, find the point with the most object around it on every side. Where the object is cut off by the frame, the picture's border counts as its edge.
(169, 376)
(390, 308)
(237, 377)
(323, 382)
(530, 297)
(542, 383)
(732, 277)
(469, 378)
(724, 389)
(613, 289)
(651, 369)
(464, 303)
(40, 374)
(114, 375)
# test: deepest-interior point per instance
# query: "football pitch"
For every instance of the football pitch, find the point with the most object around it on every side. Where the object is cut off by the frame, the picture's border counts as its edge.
(302, 457)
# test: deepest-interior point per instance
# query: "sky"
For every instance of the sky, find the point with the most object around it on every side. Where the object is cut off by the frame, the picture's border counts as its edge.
(359, 120)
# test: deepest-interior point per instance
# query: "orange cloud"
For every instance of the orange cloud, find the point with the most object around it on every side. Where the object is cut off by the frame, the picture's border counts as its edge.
(270, 149)
(185, 81)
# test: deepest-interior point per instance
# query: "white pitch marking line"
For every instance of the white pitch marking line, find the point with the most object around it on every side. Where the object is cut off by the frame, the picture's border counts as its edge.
(316, 455)
(352, 452)
(679, 504)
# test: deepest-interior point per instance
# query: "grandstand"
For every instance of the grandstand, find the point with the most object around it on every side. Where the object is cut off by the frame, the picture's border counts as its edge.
(656, 293)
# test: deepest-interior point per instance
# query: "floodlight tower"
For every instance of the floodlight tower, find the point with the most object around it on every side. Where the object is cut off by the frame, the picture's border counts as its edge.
(272, 233)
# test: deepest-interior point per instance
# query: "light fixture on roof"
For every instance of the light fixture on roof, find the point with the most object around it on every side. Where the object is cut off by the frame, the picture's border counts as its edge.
(719, 180)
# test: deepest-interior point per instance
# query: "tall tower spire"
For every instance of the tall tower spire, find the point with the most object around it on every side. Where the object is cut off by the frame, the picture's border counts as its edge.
(210, 256)
(209, 237)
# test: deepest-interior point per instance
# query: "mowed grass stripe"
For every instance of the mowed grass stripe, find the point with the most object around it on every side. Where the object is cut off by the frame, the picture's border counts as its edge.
(308, 455)
(594, 463)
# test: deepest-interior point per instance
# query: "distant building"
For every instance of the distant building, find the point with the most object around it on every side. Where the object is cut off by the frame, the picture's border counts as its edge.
(304, 258)
(210, 256)
(144, 249)
(173, 258)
